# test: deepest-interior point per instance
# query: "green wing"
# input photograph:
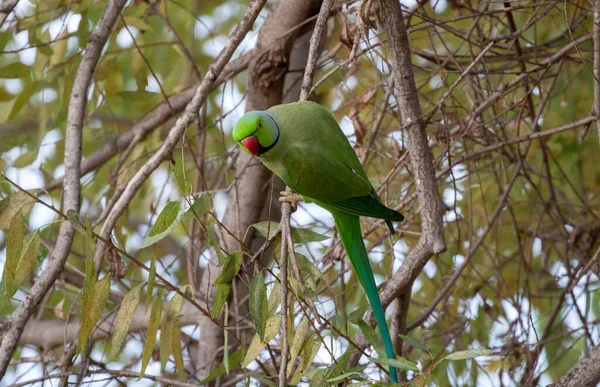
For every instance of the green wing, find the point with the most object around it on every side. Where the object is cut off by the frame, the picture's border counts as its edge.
(316, 160)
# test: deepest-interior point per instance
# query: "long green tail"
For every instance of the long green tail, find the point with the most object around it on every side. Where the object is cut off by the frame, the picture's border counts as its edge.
(348, 227)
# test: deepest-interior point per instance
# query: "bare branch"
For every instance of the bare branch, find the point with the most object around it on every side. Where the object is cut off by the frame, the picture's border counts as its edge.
(586, 373)
(431, 204)
(6, 9)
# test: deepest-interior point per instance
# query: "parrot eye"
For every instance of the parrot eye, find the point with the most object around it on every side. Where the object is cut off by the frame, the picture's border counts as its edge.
(259, 124)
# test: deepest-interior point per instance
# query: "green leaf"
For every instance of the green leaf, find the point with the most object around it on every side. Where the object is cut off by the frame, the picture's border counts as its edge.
(14, 248)
(400, 363)
(15, 70)
(170, 316)
(199, 208)
(300, 334)
(274, 299)
(307, 266)
(230, 268)
(257, 344)
(92, 310)
(176, 348)
(166, 221)
(413, 342)
(90, 248)
(308, 353)
(348, 375)
(257, 299)
(299, 235)
(151, 279)
(468, 354)
(153, 324)
(357, 314)
(13, 203)
(372, 337)
(220, 299)
(340, 367)
(73, 217)
(263, 379)
(31, 249)
(234, 359)
(22, 99)
(25, 159)
(123, 320)
(213, 239)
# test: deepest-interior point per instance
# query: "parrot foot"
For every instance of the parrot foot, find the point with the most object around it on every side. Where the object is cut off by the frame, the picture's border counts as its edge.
(292, 198)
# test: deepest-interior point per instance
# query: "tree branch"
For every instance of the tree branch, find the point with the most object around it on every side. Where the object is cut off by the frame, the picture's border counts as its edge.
(76, 114)
(586, 373)
(190, 114)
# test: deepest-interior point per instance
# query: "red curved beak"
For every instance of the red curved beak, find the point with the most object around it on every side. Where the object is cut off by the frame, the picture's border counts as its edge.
(251, 143)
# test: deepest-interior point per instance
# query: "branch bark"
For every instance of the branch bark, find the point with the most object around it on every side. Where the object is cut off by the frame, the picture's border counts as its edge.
(432, 208)
(76, 114)
(596, 37)
(6, 9)
(49, 334)
(586, 373)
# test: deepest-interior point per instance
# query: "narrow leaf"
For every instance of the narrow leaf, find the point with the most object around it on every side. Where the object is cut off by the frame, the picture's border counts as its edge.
(234, 359)
(15, 70)
(13, 203)
(14, 247)
(23, 98)
(25, 159)
(199, 208)
(413, 342)
(274, 299)
(299, 235)
(220, 299)
(176, 348)
(300, 334)
(213, 239)
(151, 279)
(257, 344)
(357, 314)
(400, 363)
(230, 268)
(468, 354)
(153, 323)
(169, 318)
(372, 337)
(166, 221)
(257, 298)
(123, 320)
(347, 375)
(92, 305)
(31, 249)
(309, 351)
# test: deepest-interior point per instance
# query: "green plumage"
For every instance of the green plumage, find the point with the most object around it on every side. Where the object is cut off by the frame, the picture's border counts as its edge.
(313, 157)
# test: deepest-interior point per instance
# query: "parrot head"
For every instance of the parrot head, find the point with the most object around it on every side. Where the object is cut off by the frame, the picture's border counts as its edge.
(256, 132)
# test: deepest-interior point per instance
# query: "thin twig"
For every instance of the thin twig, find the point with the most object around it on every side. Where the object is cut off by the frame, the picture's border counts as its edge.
(189, 115)
(75, 117)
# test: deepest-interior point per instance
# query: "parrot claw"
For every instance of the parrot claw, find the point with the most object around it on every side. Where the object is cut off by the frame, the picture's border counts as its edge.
(292, 198)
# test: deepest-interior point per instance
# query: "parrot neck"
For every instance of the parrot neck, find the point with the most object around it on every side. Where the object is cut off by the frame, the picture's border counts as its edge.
(264, 149)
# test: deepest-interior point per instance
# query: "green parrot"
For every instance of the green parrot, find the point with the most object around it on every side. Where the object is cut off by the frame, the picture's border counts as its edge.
(303, 144)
